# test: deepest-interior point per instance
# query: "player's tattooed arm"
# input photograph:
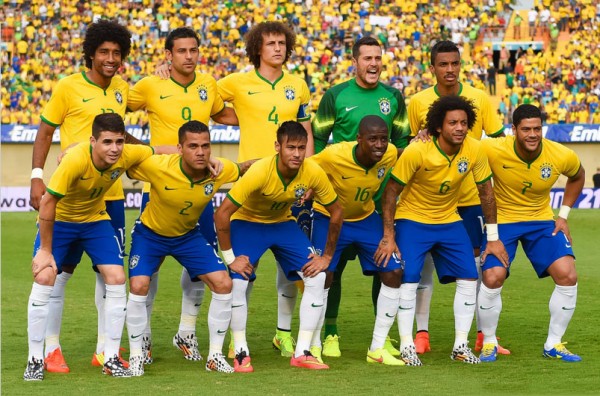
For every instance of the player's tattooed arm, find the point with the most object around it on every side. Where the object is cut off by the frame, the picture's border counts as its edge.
(387, 245)
(244, 166)
(130, 139)
(488, 201)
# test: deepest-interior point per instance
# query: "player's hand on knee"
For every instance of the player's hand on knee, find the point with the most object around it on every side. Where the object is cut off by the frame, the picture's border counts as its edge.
(561, 225)
(241, 265)
(497, 249)
(384, 252)
(215, 167)
(316, 265)
(42, 260)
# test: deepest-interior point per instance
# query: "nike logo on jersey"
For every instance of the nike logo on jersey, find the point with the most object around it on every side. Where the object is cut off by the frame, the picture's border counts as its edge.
(485, 308)
(169, 189)
(165, 96)
(85, 178)
(507, 167)
(87, 100)
(351, 108)
(347, 177)
(252, 93)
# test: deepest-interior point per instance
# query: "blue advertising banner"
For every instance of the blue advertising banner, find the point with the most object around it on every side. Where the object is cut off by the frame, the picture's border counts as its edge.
(564, 133)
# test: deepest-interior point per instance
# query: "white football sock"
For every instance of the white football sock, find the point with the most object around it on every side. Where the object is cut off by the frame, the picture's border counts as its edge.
(562, 306)
(55, 312)
(115, 310)
(387, 309)
(489, 306)
(465, 300)
(311, 307)
(152, 290)
(287, 292)
(191, 300)
(136, 322)
(249, 292)
(99, 298)
(406, 313)
(37, 318)
(219, 316)
(239, 315)
(424, 294)
(316, 340)
(479, 283)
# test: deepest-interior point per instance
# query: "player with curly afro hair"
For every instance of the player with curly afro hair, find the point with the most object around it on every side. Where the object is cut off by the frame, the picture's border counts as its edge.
(439, 108)
(102, 31)
(255, 37)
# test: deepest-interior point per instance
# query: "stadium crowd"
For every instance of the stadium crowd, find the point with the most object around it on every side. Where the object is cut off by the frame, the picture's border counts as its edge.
(43, 39)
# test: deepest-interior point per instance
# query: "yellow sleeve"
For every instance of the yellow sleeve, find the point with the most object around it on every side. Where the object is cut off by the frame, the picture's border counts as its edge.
(413, 117)
(481, 167)
(408, 164)
(67, 173)
(218, 104)
(136, 153)
(226, 88)
(241, 190)
(324, 193)
(303, 112)
(144, 170)
(137, 95)
(231, 171)
(490, 121)
(57, 108)
(571, 164)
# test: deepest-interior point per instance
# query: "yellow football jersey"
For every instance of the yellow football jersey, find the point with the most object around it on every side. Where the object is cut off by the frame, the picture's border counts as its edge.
(74, 103)
(354, 184)
(487, 120)
(81, 186)
(432, 179)
(170, 104)
(175, 196)
(261, 106)
(264, 197)
(522, 188)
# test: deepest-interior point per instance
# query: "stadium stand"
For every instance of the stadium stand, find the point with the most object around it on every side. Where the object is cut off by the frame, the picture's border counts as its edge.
(41, 43)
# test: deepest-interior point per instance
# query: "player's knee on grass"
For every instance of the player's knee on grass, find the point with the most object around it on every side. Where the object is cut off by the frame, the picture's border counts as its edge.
(139, 285)
(494, 277)
(218, 282)
(113, 274)
(563, 271)
(392, 278)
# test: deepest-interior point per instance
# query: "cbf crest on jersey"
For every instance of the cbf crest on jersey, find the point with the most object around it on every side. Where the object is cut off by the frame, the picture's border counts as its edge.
(385, 106)
(115, 174)
(546, 171)
(118, 96)
(209, 188)
(300, 190)
(290, 92)
(381, 172)
(203, 93)
(462, 165)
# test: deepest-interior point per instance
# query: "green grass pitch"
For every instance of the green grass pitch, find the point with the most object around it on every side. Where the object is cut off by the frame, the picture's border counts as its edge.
(523, 328)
